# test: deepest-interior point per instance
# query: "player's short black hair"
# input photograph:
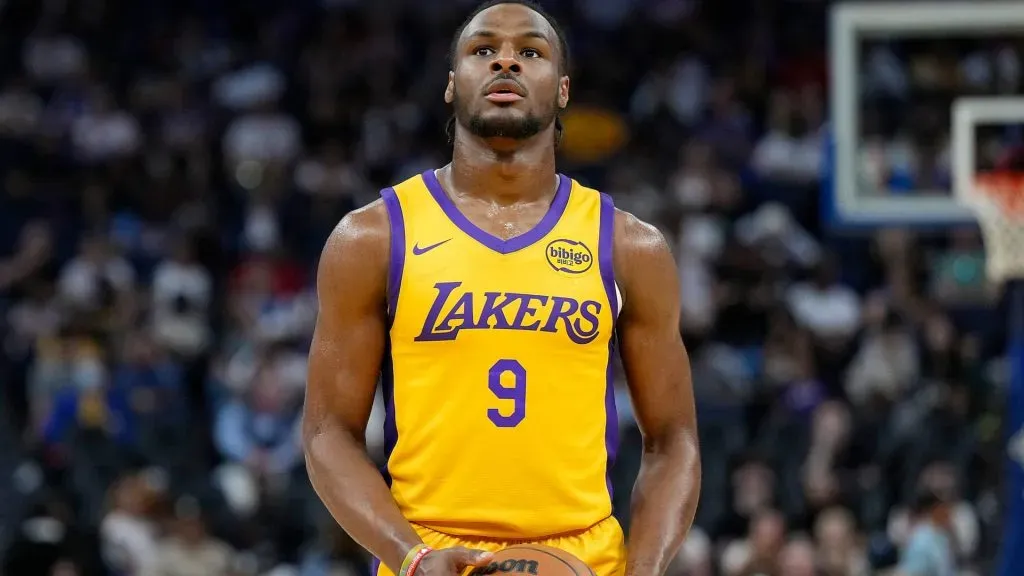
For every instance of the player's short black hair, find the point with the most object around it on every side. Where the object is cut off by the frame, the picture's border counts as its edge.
(563, 47)
(563, 44)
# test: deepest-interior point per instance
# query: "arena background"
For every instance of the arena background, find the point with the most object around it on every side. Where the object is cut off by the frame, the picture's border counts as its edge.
(171, 168)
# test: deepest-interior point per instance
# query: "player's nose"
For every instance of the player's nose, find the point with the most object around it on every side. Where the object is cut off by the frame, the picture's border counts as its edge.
(505, 61)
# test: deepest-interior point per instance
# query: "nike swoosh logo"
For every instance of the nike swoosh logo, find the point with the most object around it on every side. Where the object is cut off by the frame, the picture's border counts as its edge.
(416, 250)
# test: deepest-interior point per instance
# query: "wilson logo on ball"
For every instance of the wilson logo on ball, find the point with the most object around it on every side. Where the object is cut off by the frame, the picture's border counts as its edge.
(507, 566)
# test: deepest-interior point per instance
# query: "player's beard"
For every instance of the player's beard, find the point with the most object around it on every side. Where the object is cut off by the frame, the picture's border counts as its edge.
(511, 126)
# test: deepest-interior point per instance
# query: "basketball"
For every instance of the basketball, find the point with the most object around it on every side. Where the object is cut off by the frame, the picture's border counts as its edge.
(534, 560)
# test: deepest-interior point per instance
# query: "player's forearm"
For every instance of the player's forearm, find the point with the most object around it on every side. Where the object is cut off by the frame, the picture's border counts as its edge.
(355, 494)
(664, 502)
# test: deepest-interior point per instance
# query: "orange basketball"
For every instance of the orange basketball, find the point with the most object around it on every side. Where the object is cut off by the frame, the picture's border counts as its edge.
(533, 560)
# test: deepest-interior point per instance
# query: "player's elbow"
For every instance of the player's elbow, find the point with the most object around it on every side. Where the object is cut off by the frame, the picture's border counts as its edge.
(689, 449)
(319, 439)
(314, 450)
(678, 443)
(686, 454)
(312, 432)
(319, 434)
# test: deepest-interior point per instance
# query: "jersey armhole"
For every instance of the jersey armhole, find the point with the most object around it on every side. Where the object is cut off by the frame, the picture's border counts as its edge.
(396, 253)
(605, 247)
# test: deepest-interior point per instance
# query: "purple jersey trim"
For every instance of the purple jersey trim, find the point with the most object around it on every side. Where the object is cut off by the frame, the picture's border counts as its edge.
(489, 240)
(396, 265)
(395, 268)
(605, 244)
(611, 426)
(387, 389)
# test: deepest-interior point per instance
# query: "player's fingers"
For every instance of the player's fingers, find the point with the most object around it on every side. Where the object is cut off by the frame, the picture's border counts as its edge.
(469, 557)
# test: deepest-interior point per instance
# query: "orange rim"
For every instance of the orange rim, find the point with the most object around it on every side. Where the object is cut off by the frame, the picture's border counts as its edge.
(1006, 189)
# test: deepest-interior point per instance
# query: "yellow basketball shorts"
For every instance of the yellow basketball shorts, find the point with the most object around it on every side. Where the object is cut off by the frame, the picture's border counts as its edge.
(602, 546)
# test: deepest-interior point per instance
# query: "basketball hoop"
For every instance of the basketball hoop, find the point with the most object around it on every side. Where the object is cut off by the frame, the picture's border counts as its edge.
(998, 200)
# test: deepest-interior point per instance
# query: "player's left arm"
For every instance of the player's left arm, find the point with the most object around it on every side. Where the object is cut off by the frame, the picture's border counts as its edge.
(658, 373)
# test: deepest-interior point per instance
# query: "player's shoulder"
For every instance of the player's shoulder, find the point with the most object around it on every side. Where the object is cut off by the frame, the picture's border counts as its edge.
(362, 227)
(645, 269)
(629, 231)
(367, 231)
(358, 245)
(636, 237)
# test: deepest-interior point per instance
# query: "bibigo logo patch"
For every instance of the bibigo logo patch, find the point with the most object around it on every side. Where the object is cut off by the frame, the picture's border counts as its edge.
(569, 256)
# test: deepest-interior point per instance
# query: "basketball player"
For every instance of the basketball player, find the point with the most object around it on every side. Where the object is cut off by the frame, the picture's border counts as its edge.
(486, 294)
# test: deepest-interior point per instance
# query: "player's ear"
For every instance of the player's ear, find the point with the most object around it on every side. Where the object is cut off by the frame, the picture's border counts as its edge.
(563, 91)
(449, 90)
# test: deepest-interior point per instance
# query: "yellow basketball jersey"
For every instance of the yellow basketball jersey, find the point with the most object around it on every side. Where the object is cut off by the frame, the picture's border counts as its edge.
(500, 415)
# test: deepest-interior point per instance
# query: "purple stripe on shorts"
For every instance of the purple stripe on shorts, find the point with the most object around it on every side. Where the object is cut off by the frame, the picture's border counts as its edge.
(374, 566)
(546, 224)
(605, 246)
(397, 253)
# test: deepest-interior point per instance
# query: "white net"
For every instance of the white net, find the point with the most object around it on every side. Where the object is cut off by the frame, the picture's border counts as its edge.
(998, 201)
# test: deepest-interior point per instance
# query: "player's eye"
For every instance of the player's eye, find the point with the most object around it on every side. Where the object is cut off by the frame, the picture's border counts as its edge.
(483, 51)
(530, 53)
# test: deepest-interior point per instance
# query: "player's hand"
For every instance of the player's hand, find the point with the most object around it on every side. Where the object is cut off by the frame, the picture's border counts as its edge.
(451, 561)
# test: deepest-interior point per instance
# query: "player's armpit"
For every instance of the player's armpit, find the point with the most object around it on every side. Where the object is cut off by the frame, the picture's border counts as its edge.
(658, 373)
(344, 364)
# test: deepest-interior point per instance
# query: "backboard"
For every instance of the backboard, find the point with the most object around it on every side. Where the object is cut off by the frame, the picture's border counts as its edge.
(897, 69)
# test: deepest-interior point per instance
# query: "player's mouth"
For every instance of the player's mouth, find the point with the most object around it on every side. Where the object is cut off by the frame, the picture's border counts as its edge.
(504, 91)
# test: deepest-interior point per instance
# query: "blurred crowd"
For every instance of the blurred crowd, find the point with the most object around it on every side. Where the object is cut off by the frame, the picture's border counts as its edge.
(170, 169)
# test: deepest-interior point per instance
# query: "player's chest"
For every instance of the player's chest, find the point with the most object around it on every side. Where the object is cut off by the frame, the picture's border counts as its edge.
(553, 288)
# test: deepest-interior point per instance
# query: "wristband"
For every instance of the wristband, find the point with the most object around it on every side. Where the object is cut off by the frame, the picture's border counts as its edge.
(413, 559)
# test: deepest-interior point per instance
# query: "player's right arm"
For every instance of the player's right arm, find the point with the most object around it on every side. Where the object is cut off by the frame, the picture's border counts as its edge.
(344, 364)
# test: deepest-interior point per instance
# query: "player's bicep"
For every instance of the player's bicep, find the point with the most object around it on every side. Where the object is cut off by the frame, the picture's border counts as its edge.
(656, 363)
(348, 340)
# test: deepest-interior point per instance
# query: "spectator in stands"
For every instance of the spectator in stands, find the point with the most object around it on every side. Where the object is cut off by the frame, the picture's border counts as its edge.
(759, 552)
(797, 558)
(90, 404)
(940, 477)
(129, 533)
(791, 151)
(839, 551)
(188, 550)
(182, 292)
(695, 558)
(929, 550)
(98, 284)
(885, 366)
(152, 384)
(826, 307)
(257, 434)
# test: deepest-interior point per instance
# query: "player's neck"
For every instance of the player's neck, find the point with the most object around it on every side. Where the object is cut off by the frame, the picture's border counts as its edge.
(505, 172)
